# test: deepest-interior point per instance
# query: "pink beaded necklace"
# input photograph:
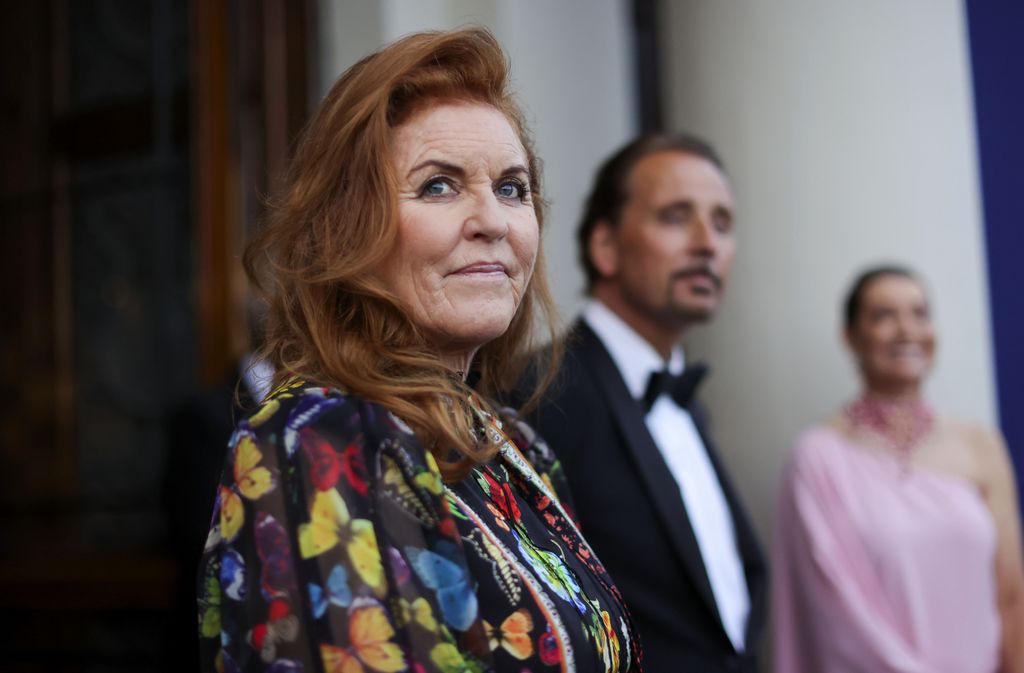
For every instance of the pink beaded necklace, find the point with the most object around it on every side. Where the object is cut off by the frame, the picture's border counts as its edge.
(901, 425)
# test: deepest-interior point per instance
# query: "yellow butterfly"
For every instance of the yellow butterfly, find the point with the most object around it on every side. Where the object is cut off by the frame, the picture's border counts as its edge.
(514, 634)
(232, 514)
(330, 524)
(447, 658)
(209, 604)
(370, 646)
(418, 611)
(431, 479)
(251, 481)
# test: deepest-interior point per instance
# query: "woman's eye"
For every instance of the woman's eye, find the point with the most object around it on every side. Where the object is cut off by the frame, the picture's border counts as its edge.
(437, 187)
(512, 189)
(881, 315)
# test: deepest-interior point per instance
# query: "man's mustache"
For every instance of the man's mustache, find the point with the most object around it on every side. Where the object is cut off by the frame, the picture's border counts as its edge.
(699, 270)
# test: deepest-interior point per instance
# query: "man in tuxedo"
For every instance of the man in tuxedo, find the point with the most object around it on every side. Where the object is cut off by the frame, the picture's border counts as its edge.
(651, 494)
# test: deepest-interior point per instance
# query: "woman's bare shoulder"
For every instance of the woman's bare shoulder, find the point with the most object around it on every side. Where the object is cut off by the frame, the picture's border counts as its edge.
(980, 436)
(983, 442)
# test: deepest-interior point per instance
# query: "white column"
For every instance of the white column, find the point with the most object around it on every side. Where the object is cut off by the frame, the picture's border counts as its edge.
(848, 130)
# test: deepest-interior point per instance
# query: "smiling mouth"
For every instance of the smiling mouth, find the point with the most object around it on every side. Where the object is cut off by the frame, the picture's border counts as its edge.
(905, 352)
(483, 269)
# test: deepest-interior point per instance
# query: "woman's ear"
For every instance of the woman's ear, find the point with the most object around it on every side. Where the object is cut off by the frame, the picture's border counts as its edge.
(604, 249)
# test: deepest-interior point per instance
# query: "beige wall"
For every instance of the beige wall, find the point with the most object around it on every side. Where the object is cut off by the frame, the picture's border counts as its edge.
(571, 69)
(848, 130)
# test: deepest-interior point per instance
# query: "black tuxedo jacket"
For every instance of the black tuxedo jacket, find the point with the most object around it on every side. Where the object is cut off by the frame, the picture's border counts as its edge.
(632, 514)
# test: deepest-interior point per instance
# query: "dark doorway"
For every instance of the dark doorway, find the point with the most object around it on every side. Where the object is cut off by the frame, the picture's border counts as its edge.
(137, 140)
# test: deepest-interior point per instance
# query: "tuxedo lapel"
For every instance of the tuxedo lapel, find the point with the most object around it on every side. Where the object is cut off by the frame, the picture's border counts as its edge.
(661, 486)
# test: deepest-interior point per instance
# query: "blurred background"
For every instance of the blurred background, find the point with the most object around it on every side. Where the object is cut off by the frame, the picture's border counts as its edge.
(139, 138)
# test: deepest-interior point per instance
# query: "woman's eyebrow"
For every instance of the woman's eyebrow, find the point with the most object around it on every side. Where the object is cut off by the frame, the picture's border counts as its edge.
(516, 169)
(437, 163)
(458, 171)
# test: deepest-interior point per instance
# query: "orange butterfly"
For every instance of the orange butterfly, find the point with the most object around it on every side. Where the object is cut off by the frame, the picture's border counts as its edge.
(370, 646)
(514, 634)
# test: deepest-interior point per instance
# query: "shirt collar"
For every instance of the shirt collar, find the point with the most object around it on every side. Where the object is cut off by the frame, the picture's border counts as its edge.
(632, 354)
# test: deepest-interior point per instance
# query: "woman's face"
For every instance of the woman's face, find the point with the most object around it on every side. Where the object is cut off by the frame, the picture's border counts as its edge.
(467, 231)
(892, 336)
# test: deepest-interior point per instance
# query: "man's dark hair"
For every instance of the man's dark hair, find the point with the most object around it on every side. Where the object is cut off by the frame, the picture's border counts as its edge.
(609, 193)
(855, 296)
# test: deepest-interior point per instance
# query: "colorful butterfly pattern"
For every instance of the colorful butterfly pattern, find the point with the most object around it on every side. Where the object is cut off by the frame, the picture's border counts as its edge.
(513, 635)
(442, 573)
(251, 481)
(335, 546)
(370, 647)
(335, 592)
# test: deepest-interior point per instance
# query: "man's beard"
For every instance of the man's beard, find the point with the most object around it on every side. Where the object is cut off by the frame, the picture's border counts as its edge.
(674, 312)
(685, 312)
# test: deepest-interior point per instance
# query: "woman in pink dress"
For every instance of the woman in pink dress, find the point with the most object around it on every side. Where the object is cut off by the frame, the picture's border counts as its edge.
(898, 538)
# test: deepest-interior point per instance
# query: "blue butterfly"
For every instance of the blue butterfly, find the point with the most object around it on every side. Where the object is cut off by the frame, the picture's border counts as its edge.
(338, 592)
(307, 409)
(232, 574)
(454, 593)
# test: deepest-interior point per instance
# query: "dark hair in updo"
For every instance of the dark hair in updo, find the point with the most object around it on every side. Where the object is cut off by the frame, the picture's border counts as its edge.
(855, 296)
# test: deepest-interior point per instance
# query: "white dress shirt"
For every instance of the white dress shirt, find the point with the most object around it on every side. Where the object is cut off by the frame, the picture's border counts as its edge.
(676, 436)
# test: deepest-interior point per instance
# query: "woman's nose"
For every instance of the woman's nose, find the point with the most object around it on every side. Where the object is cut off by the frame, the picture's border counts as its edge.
(487, 218)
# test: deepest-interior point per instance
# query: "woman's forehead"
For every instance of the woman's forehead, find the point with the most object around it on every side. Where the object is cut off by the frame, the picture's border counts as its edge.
(470, 131)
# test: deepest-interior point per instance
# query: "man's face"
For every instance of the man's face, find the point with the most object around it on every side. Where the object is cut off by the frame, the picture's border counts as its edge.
(669, 255)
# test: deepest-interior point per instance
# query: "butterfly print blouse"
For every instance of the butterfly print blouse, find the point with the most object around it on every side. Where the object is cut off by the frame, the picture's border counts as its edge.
(336, 547)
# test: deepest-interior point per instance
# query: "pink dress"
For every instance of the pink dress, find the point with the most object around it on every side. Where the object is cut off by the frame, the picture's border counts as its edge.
(880, 569)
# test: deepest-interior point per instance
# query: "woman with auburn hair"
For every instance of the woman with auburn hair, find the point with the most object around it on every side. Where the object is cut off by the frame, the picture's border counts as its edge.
(898, 537)
(378, 513)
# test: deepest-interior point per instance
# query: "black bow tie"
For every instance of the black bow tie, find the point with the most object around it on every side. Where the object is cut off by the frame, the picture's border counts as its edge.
(681, 387)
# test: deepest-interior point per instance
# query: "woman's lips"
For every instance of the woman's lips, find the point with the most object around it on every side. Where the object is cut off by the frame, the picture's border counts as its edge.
(482, 269)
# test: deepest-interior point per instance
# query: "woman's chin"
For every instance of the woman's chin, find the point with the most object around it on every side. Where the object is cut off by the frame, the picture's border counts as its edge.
(472, 333)
(484, 334)
(898, 381)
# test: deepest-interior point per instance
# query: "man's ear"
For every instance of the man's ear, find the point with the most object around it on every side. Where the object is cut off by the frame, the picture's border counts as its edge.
(604, 249)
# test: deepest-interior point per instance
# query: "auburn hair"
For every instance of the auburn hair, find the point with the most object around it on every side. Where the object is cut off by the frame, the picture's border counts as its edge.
(328, 318)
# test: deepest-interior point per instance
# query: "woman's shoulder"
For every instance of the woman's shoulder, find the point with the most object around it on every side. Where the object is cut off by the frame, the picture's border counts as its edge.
(818, 439)
(972, 432)
(984, 442)
(298, 405)
(816, 447)
(526, 439)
